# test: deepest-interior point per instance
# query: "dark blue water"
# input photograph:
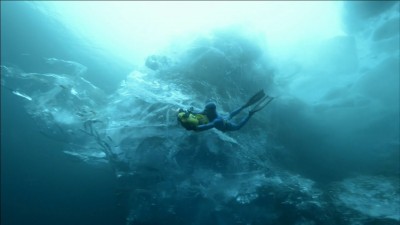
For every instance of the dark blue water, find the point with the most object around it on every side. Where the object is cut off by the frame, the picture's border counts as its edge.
(95, 151)
(40, 184)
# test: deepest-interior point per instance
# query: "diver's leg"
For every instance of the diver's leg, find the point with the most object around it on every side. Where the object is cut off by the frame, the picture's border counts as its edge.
(233, 126)
(235, 112)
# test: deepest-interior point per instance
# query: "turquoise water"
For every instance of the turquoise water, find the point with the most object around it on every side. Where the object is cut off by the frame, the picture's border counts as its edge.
(91, 139)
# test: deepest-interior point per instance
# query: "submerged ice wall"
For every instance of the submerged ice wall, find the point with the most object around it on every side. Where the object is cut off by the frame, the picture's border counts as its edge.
(281, 168)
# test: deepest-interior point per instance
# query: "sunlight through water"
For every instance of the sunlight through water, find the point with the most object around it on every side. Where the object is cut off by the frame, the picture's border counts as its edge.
(133, 29)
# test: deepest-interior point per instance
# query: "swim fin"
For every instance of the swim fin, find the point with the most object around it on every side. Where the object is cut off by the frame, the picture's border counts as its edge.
(264, 102)
(257, 97)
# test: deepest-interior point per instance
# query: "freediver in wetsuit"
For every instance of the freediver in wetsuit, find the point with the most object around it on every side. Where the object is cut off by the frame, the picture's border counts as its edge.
(197, 122)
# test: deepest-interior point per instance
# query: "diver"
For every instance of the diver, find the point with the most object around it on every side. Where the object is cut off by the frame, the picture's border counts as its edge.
(209, 118)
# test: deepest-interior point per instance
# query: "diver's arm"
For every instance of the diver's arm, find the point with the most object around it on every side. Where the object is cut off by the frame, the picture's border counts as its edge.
(205, 127)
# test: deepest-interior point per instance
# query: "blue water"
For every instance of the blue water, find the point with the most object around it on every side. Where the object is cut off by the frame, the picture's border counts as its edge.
(88, 139)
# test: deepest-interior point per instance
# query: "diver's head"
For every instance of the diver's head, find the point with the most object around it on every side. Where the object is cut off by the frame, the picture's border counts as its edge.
(210, 107)
(211, 110)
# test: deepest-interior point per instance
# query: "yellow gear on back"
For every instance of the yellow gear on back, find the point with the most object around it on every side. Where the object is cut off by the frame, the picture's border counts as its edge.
(191, 121)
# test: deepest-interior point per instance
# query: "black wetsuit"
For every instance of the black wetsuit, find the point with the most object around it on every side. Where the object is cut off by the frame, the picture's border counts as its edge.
(221, 123)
